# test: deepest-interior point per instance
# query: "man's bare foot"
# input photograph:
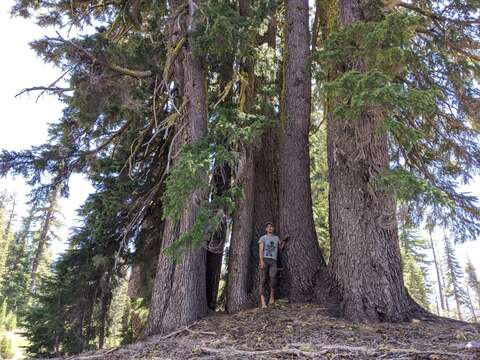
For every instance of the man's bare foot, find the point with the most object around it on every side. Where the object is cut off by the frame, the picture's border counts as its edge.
(271, 301)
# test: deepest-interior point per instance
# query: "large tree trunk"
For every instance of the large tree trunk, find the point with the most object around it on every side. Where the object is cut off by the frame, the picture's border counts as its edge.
(258, 176)
(105, 301)
(304, 261)
(216, 245)
(242, 234)
(238, 295)
(179, 296)
(265, 207)
(365, 245)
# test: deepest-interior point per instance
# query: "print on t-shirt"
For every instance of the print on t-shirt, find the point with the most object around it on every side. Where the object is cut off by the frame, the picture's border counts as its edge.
(270, 246)
(270, 249)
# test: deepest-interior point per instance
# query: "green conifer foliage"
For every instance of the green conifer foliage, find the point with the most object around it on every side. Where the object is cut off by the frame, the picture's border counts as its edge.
(46, 317)
(472, 280)
(47, 218)
(319, 179)
(415, 266)
(7, 324)
(18, 267)
(122, 123)
(453, 276)
(6, 234)
(421, 74)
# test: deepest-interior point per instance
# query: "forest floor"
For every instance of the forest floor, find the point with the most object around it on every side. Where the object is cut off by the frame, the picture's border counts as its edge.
(301, 332)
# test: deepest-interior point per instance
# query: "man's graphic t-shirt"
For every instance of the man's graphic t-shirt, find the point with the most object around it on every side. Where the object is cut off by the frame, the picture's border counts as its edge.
(270, 246)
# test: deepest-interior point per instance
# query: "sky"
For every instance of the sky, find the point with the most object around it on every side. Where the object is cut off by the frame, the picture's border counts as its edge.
(23, 120)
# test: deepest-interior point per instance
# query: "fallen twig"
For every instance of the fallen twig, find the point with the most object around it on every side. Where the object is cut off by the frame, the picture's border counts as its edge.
(201, 332)
(186, 328)
(296, 352)
(321, 350)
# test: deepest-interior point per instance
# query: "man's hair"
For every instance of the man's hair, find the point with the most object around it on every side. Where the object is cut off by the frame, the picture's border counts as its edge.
(268, 223)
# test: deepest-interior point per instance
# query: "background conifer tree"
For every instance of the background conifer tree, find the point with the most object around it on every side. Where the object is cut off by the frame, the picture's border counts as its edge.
(472, 280)
(453, 276)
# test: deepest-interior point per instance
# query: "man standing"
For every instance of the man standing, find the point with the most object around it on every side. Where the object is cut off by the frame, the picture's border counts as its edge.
(268, 253)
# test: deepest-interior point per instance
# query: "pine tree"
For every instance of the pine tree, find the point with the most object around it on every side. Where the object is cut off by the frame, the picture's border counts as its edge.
(47, 217)
(305, 262)
(3, 243)
(115, 314)
(319, 176)
(472, 280)
(453, 275)
(443, 281)
(183, 281)
(18, 266)
(10, 217)
(7, 214)
(45, 319)
(389, 138)
(129, 126)
(470, 305)
(415, 266)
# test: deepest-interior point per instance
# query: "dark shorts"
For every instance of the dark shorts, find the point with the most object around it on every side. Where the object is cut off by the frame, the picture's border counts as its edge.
(269, 270)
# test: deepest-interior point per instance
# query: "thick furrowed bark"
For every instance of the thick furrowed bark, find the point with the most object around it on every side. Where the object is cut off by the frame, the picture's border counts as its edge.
(265, 207)
(237, 278)
(259, 178)
(304, 260)
(363, 228)
(365, 247)
(179, 294)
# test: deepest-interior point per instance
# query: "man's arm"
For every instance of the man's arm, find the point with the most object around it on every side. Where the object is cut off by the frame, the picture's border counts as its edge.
(261, 264)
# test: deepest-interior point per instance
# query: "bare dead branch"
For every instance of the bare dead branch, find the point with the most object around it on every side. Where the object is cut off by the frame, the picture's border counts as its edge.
(44, 89)
(51, 86)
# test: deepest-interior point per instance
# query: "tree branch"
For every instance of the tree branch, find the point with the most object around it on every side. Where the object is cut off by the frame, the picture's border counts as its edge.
(44, 89)
(93, 58)
(437, 17)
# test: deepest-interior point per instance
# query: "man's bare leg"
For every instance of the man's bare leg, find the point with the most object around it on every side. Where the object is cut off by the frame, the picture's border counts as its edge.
(262, 302)
(271, 301)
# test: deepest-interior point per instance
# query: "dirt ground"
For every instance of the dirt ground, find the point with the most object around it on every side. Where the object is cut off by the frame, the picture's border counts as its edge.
(302, 332)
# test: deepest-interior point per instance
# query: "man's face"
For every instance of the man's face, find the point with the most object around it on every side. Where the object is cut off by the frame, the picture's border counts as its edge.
(270, 229)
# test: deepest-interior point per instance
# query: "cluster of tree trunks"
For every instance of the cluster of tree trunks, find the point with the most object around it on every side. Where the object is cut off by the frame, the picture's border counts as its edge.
(363, 280)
